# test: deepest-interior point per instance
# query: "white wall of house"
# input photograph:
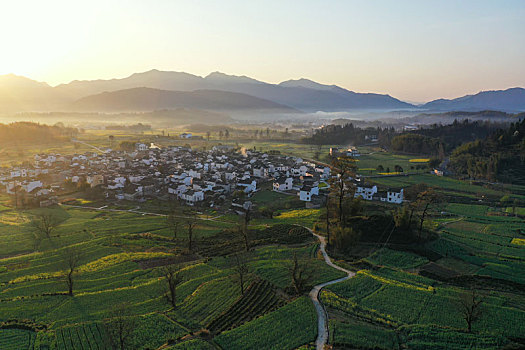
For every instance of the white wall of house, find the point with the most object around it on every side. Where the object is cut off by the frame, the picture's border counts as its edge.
(286, 186)
(365, 192)
(395, 197)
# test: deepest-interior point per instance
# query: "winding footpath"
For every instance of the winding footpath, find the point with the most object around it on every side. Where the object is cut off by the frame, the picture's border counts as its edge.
(322, 316)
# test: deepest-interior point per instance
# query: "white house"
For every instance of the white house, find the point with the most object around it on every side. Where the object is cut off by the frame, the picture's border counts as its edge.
(26, 186)
(283, 184)
(141, 147)
(249, 186)
(194, 173)
(306, 193)
(260, 171)
(393, 196)
(191, 197)
(365, 192)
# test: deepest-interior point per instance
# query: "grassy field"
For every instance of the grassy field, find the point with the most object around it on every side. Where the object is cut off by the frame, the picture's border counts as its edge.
(372, 158)
(122, 257)
(390, 304)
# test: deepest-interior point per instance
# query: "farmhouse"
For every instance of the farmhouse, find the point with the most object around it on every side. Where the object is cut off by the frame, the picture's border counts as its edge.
(248, 186)
(307, 192)
(141, 147)
(283, 184)
(366, 193)
(191, 197)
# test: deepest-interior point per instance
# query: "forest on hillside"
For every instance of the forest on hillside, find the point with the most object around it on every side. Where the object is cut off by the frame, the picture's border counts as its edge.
(350, 134)
(498, 157)
(28, 132)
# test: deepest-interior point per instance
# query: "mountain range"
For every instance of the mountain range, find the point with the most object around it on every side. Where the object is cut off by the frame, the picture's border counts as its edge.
(512, 100)
(156, 90)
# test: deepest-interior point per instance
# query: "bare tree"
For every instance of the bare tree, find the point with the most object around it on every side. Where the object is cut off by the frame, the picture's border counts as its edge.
(71, 261)
(242, 269)
(173, 223)
(45, 224)
(244, 229)
(190, 224)
(470, 303)
(300, 273)
(328, 219)
(425, 200)
(345, 168)
(173, 279)
(120, 326)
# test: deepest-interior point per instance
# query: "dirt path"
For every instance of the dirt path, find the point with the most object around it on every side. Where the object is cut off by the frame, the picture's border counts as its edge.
(322, 316)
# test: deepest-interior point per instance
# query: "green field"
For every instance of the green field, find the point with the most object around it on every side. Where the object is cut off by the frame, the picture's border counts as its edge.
(391, 305)
(393, 302)
(122, 258)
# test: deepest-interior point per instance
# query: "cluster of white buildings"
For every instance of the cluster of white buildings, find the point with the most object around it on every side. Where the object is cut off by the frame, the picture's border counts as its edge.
(372, 194)
(194, 177)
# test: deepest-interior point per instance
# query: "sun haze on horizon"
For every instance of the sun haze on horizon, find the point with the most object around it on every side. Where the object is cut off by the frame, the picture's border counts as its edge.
(416, 51)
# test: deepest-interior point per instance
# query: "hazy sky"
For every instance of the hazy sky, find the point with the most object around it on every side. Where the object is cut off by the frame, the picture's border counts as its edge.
(414, 50)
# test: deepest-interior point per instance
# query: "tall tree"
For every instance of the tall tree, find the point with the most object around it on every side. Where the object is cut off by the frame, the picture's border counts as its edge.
(173, 278)
(344, 168)
(328, 219)
(45, 224)
(242, 269)
(301, 274)
(191, 222)
(173, 223)
(244, 229)
(470, 307)
(71, 262)
(424, 202)
(120, 326)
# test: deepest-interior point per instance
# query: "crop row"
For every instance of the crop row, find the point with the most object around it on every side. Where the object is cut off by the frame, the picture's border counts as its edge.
(82, 337)
(288, 327)
(258, 299)
(15, 339)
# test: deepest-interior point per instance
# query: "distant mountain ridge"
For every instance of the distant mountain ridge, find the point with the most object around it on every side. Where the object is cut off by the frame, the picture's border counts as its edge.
(20, 94)
(301, 94)
(510, 100)
(148, 99)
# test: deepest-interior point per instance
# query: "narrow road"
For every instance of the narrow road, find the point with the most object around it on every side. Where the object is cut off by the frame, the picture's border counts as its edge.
(322, 316)
(87, 144)
(136, 211)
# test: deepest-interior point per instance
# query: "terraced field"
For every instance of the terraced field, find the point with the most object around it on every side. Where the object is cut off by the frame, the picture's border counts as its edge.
(391, 305)
(122, 258)
(15, 339)
(259, 299)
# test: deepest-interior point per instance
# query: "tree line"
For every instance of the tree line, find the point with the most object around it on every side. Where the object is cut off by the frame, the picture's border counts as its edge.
(498, 157)
(33, 132)
(348, 133)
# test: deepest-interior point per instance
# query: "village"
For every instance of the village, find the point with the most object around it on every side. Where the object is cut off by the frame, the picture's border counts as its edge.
(215, 178)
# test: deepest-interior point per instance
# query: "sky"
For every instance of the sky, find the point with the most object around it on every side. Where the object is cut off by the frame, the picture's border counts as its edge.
(413, 50)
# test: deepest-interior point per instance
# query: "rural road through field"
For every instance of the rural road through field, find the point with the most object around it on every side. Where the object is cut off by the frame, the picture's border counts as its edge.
(322, 316)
